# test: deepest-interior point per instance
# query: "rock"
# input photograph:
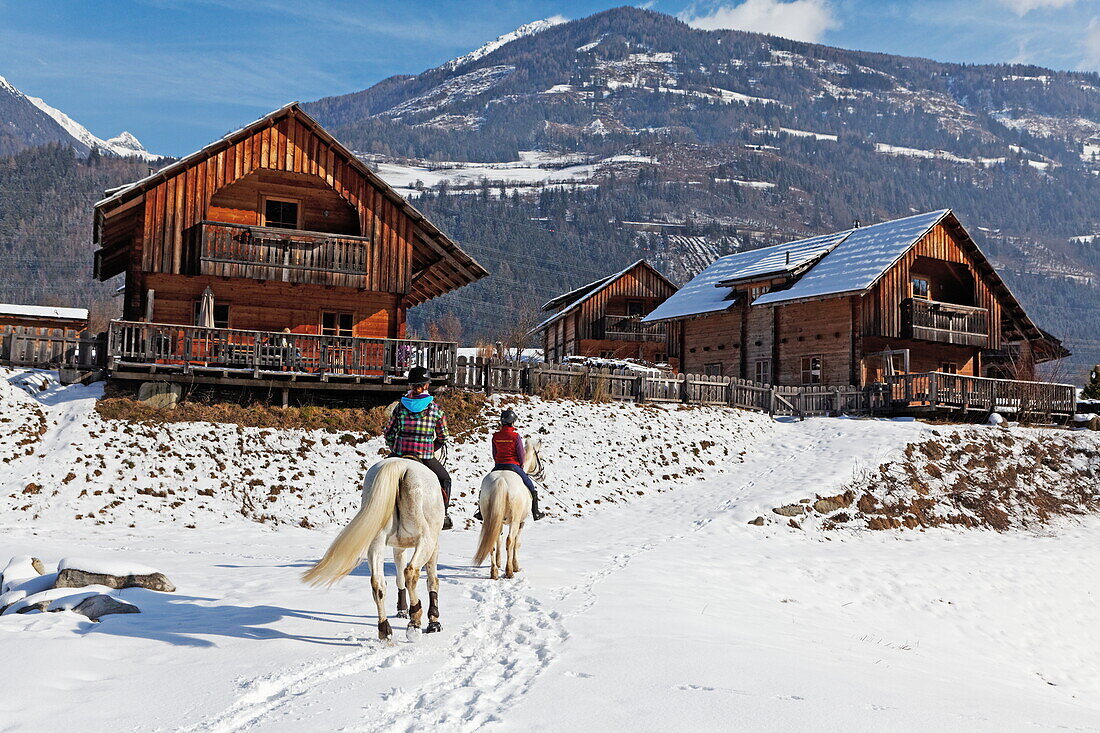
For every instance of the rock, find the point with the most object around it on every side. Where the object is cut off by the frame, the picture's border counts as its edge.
(97, 606)
(790, 510)
(76, 578)
(995, 418)
(38, 565)
(758, 522)
(162, 395)
(829, 504)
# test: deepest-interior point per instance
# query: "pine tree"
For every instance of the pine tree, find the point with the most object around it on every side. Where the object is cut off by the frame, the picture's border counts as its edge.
(1092, 389)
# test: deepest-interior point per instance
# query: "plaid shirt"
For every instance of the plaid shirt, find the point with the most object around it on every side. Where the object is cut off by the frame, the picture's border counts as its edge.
(416, 433)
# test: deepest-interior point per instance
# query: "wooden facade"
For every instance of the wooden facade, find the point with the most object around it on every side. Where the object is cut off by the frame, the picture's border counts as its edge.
(42, 320)
(346, 256)
(940, 307)
(603, 319)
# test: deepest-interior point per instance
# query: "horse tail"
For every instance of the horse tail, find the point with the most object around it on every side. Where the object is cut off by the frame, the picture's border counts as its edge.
(492, 519)
(379, 504)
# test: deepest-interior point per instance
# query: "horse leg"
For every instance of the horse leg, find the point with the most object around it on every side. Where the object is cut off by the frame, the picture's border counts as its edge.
(509, 570)
(377, 562)
(399, 572)
(497, 559)
(433, 594)
(514, 560)
(420, 557)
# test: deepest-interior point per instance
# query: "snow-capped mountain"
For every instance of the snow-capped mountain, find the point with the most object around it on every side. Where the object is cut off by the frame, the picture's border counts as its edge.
(27, 121)
(527, 29)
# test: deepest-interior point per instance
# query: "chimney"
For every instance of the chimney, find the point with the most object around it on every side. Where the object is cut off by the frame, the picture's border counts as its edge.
(855, 224)
(788, 257)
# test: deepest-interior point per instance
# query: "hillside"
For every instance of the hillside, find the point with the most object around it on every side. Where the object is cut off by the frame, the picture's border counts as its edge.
(740, 137)
(657, 590)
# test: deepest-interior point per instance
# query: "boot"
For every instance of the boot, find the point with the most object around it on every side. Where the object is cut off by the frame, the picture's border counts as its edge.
(535, 513)
(477, 515)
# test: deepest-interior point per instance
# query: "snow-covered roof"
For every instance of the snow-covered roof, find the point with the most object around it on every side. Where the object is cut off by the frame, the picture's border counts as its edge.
(43, 311)
(859, 260)
(704, 294)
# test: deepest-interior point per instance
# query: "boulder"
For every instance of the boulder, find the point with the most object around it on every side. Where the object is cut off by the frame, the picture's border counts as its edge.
(38, 565)
(71, 577)
(829, 504)
(100, 605)
(161, 395)
(790, 510)
(19, 569)
(758, 522)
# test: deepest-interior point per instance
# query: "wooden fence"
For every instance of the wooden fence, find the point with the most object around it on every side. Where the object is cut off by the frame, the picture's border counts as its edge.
(52, 349)
(901, 394)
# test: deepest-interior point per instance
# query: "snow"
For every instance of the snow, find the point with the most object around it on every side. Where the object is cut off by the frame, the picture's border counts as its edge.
(918, 153)
(528, 29)
(59, 598)
(798, 133)
(105, 566)
(747, 184)
(452, 90)
(17, 571)
(43, 311)
(660, 611)
(125, 144)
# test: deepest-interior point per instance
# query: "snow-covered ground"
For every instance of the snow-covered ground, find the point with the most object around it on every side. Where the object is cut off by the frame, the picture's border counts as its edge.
(653, 611)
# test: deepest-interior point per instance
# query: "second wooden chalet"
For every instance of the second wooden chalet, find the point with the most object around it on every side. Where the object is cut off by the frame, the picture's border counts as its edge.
(604, 318)
(278, 242)
(910, 295)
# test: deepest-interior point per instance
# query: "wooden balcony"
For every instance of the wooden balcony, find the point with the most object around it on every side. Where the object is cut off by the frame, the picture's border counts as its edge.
(947, 323)
(628, 328)
(284, 255)
(959, 393)
(237, 355)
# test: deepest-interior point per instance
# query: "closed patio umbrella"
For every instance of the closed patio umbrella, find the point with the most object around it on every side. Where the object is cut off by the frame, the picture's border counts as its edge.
(206, 309)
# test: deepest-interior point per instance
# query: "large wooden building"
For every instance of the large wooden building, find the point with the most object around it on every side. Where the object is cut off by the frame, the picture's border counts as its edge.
(910, 295)
(285, 230)
(604, 318)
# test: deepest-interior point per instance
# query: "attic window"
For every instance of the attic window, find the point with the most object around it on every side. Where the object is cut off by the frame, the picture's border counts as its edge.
(281, 214)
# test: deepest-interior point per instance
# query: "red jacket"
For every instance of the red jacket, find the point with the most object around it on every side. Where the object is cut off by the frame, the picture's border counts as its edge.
(508, 446)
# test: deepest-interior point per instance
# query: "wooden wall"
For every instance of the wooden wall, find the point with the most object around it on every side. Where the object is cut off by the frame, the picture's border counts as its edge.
(814, 328)
(714, 339)
(165, 241)
(43, 326)
(274, 306)
(241, 202)
(924, 356)
(882, 305)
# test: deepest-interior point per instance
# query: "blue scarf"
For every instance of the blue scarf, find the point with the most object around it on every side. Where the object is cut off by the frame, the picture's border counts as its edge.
(416, 404)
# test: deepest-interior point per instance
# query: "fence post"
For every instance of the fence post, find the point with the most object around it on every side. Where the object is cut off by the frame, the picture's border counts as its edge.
(526, 379)
(685, 389)
(639, 388)
(933, 389)
(488, 377)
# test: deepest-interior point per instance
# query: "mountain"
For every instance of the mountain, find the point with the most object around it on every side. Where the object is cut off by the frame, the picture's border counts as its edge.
(28, 121)
(630, 132)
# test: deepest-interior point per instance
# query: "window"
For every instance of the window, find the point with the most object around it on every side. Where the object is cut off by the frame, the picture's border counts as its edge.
(762, 371)
(660, 358)
(920, 287)
(949, 367)
(280, 213)
(713, 369)
(811, 369)
(221, 314)
(337, 324)
(757, 291)
(635, 308)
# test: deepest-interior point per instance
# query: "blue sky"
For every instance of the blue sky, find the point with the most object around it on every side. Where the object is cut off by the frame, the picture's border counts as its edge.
(179, 74)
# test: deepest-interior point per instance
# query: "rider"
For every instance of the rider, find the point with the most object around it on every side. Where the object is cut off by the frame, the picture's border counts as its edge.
(509, 454)
(418, 428)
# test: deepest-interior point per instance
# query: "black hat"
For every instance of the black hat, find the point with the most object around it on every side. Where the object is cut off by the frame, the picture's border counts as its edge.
(508, 417)
(419, 375)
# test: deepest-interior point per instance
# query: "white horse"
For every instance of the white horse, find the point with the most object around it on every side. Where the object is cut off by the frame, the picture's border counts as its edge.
(505, 500)
(402, 507)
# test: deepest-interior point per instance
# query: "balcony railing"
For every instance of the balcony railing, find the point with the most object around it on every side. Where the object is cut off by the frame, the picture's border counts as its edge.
(1022, 399)
(948, 323)
(628, 328)
(265, 354)
(286, 255)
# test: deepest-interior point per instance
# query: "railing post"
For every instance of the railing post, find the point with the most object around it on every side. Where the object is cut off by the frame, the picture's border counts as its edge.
(933, 389)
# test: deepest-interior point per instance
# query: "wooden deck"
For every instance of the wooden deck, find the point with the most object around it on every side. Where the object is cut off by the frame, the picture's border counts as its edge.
(937, 392)
(234, 357)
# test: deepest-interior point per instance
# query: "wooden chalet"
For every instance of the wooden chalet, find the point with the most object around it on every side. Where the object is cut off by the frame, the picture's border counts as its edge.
(273, 253)
(604, 318)
(42, 320)
(914, 295)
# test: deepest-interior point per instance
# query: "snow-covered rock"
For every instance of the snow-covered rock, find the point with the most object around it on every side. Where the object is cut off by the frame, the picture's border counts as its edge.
(99, 605)
(77, 573)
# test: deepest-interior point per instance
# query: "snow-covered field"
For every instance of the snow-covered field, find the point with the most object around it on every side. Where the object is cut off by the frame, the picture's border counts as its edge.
(663, 610)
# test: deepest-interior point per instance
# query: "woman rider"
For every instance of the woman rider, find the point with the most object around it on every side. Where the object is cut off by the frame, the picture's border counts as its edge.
(509, 454)
(418, 428)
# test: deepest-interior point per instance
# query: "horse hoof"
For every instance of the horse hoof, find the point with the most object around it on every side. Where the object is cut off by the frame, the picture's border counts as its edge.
(412, 633)
(402, 613)
(384, 630)
(433, 627)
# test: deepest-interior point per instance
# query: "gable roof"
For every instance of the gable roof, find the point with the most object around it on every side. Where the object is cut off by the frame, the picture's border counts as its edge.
(708, 292)
(861, 257)
(463, 269)
(571, 300)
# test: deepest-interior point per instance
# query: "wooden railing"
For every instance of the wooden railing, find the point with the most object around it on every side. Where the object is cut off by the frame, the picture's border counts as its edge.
(628, 328)
(1023, 400)
(51, 349)
(263, 353)
(949, 323)
(286, 255)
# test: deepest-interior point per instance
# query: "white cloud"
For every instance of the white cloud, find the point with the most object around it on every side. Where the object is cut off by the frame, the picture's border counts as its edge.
(1091, 60)
(1023, 7)
(802, 20)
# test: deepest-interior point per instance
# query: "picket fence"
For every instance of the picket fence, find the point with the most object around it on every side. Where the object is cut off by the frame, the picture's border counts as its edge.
(491, 375)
